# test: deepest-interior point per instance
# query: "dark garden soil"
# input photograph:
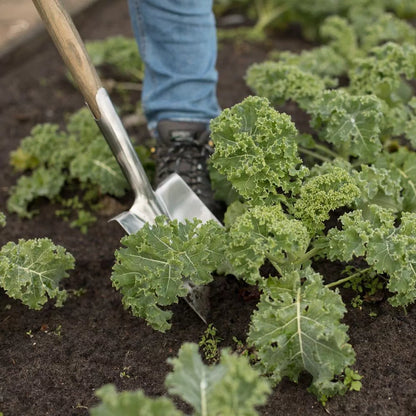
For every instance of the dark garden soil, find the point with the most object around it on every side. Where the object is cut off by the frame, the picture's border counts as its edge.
(52, 361)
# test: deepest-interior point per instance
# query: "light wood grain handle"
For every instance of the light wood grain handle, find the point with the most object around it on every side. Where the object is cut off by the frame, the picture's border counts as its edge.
(71, 48)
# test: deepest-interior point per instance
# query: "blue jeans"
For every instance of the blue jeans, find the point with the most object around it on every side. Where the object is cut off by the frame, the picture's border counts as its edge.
(177, 42)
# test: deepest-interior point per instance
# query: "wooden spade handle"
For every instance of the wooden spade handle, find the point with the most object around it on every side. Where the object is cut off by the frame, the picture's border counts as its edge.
(71, 48)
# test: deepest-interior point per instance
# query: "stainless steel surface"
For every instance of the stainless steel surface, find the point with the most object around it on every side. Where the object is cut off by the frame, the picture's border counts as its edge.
(181, 201)
(146, 205)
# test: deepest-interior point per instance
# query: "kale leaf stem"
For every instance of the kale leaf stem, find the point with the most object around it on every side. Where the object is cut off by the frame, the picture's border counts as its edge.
(326, 150)
(346, 279)
(300, 260)
(314, 154)
(308, 255)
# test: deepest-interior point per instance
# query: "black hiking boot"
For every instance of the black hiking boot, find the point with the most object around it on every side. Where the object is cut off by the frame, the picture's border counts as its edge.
(184, 147)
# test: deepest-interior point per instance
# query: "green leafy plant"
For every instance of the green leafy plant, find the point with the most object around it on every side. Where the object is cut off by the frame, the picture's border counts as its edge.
(31, 270)
(231, 388)
(150, 269)
(366, 282)
(287, 215)
(209, 344)
(58, 157)
(73, 205)
(352, 380)
(297, 328)
(76, 158)
(357, 121)
(265, 231)
(270, 14)
(387, 248)
(120, 53)
(344, 193)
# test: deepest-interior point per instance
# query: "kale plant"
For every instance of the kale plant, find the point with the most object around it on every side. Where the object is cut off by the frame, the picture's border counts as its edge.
(31, 270)
(78, 159)
(230, 388)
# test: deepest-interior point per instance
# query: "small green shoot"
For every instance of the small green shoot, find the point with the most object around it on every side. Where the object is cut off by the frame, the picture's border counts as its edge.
(352, 380)
(357, 302)
(367, 283)
(58, 331)
(209, 344)
(84, 220)
(75, 207)
(77, 292)
(125, 372)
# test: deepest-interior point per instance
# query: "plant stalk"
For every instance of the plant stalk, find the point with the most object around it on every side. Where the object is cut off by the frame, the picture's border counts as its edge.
(308, 255)
(299, 260)
(346, 279)
(314, 154)
(266, 14)
(327, 150)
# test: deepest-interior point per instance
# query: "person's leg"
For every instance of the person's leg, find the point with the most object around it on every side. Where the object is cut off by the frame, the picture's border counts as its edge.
(177, 41)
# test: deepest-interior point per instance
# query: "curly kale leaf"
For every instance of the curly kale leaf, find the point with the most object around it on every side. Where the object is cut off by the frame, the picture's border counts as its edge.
(280, 82)
(120, 53)
(222, 188)
(234, 210)
(56, 157)
(42, 183)
(231, 388)
(407, 173)
(255, 148)
(352, 240)
(82, 126)
(131, 403)
(381, 73)
(322, 194)
(93, 160)
(366, 27)
(376, 29)
(401, 166)
(341, 38)
(353, 124)
(150, 270)
(265, 232)
(98, 166)
(322, 61)
(297, 328)
(46, 146)
(32, 269)
(388, 248)
(378, 186)
(410, 128)
(402, 270)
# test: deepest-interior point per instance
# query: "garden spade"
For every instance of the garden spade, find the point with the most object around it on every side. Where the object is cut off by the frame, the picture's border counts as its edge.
(173, 197)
